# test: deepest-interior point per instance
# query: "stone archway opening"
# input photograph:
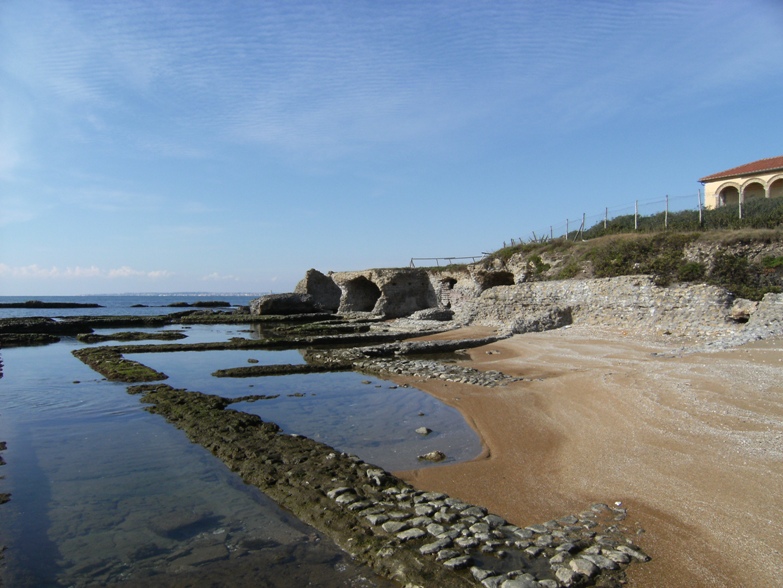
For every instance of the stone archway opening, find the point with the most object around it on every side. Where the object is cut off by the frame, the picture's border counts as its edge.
(491, 279)
(776, 189)
(361, 295)
(753, 191)
(444, 291)
(728, 196)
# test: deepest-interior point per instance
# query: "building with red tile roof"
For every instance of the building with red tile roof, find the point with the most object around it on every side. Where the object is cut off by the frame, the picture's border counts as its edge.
(758, 179)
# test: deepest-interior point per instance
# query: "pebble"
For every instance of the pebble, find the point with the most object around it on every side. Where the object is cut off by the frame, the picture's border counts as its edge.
(431, 369)
(409, 534)
(583, 566)
(459, 562)
(439, 545)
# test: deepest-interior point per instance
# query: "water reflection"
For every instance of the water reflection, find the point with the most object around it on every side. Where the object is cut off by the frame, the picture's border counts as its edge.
(106, 493)
(352, 412)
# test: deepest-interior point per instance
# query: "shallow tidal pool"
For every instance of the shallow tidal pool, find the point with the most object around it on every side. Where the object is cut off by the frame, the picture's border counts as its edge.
(104, 492)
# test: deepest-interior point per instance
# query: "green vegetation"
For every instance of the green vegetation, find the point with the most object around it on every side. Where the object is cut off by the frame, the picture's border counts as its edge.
(537, 265)
(131, 336)
(254, 371)
(762, 213)
(110, 363)
(745, 278)
(26, 339)
(661, 255)
(726, 250)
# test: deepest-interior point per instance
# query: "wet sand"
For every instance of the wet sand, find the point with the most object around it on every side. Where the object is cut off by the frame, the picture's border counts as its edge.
(691, 444)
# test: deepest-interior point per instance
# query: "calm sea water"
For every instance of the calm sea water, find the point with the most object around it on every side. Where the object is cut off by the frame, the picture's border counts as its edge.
(104, 492)
(116, 304)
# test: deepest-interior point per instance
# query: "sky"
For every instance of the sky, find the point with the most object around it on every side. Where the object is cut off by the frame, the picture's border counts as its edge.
(229, 146)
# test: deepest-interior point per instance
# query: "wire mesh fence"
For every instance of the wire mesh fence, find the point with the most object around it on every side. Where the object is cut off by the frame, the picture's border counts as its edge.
(680, 213)
(445, 261)
(647, 215)
(676, 213)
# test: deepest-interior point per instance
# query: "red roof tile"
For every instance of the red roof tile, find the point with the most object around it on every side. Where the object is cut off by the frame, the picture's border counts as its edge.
(762, 165)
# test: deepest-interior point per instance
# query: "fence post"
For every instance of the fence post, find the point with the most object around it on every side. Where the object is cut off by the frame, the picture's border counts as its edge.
(636, 216)
(666, 215)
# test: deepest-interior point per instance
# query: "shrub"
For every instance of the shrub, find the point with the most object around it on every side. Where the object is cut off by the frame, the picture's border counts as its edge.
(569, 270)
(539, 267)
(741, 277)
(772, 262)
(691, 271)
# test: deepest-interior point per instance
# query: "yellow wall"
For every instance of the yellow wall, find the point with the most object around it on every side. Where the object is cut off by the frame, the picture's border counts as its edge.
(763, 185)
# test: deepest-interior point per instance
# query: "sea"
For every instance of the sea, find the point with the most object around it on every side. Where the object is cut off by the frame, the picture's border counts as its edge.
(105, 493)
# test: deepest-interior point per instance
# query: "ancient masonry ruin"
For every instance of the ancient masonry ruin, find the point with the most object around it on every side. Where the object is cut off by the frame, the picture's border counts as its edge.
(496, 297)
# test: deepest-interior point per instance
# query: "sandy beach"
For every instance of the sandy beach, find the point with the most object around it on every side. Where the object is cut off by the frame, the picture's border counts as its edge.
(690, 443)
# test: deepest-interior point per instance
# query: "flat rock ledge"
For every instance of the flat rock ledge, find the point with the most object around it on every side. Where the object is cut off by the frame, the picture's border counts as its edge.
(393, 359)
(412, 537)
(432, 369)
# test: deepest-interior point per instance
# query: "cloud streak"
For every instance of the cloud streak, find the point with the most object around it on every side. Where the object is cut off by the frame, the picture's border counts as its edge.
(35, 271)
(310, 76)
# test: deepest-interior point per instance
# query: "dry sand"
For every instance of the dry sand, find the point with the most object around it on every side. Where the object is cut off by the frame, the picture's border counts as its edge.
(691, 444)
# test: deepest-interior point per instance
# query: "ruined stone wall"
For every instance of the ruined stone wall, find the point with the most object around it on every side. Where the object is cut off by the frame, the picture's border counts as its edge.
(390, 293)
(472, 293)
(623, 302)
(321, 288)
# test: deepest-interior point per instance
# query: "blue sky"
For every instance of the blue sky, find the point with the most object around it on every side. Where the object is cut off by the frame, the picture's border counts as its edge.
(229, 146)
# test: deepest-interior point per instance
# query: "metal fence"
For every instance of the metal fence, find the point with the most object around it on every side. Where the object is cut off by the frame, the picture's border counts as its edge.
(447, 260)
(645, 216)
(655, 212)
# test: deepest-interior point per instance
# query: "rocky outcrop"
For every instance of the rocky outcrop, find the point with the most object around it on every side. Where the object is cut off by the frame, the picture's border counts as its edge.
(284, 304)
(628, 301)
(433, 314)
(321, 288)
(545, 319)
(765, 320)
(391, 293)
(489, 293)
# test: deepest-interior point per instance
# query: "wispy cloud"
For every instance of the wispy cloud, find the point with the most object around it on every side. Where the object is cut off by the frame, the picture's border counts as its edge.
(331, 79)
(15, 210)
(9, 157)
(78, 272)
(110, 200)
(216, 277)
